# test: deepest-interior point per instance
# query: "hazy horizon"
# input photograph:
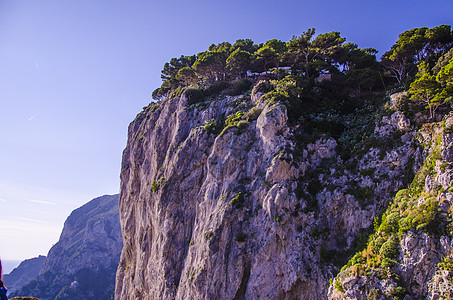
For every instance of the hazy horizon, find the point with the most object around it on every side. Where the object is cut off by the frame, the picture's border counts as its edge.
(9, 265)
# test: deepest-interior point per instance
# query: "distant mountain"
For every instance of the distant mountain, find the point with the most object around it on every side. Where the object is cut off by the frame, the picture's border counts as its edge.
(9, 265)
(82, 265)
(24, 273)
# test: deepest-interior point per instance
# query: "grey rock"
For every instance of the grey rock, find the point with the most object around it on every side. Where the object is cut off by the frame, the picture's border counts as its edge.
(447, 153)
(233, 216)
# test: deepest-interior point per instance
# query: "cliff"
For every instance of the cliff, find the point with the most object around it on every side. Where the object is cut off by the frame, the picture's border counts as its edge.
(235, 198)
(25, 272)
(82, 264)
(410, 252)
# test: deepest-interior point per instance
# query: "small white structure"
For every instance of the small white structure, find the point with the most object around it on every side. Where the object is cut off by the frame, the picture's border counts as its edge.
(286, 70)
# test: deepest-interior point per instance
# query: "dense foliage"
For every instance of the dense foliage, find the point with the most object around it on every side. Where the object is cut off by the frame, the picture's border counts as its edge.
(433, 84)
(320, 73)
(304, 56)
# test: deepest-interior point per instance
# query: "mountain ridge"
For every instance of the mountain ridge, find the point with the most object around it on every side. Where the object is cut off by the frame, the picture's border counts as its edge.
(82, 264)
(26, 271)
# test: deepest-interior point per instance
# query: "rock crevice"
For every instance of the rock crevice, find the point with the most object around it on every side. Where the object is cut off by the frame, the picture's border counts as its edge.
(241, 210)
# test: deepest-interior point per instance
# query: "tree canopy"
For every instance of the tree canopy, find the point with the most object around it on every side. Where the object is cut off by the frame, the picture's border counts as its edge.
(239, 60)
(413, 47)
(421, 60)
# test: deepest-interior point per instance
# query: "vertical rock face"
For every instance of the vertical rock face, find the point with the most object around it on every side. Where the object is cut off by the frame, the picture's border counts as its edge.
(245, 210)
(82, 264)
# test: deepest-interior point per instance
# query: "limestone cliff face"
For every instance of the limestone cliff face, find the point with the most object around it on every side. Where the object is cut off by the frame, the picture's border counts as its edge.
(82, 264)
(248, 210)
(410, 254)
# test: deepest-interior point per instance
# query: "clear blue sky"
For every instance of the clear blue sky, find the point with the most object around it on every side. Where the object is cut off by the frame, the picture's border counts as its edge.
(74, 73)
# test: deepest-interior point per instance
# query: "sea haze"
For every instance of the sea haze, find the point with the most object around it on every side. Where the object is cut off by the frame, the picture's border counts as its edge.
(9, 265)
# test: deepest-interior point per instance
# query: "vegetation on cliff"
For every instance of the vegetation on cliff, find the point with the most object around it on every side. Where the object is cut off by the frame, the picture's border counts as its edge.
(418, 220)
(322, 69)
(319, 74)
(329, 86)
(258, 151)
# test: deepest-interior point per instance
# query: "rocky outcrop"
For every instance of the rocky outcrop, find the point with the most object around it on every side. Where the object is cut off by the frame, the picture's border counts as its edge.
(26, 271)
(410, 254)
(223, 200)
(83, 263)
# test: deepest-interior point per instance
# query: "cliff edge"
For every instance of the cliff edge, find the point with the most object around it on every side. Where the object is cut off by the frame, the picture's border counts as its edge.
(226, 199)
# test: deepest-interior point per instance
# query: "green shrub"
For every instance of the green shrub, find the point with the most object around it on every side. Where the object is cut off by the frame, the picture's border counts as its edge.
(388, 263)
(315, 232)
(446, 264)
(273, 97)
(194, 95)
(448, 129)
(357, 259)
(253, 113)
(390, 248)
(427, 216)
(263, 86)
(238, 200)
(216, 88)
(154, 186)
(208, 235)
(418, 184)
(324, 254)
(238, 87)
(361, 241)
(398, 293)
(424, 217)
(177, 92)
(376, 224)
(233, 119)
(212, 126)
(390, 223)
(339, 286)
(401, 196)
(405, 224)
